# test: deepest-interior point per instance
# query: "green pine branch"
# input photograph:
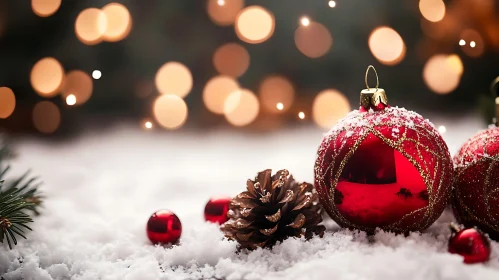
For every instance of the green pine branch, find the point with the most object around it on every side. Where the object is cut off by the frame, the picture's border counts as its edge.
(13, 218)
(18, 197)
(28, 187)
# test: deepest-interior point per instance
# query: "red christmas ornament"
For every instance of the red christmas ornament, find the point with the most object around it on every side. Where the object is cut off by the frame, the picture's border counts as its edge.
(476, 197)
(383, 167)
(216, 210)
(164, 227)
(470, 243)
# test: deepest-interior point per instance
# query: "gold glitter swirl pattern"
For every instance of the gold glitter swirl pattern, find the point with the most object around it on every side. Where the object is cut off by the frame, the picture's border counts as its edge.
(418, 141)
(476, 193)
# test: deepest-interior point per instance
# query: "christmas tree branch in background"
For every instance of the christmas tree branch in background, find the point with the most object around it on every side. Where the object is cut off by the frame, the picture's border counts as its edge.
(13, 218)
(17, 198)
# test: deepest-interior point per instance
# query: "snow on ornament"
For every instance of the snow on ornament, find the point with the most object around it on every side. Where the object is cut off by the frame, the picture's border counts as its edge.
(383, 167)
(475, 198)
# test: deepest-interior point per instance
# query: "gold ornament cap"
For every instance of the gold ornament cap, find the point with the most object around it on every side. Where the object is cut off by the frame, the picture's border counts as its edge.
(372, 97)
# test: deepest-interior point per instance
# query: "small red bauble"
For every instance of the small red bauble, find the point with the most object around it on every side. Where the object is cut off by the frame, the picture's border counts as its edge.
(216, 210)
(164, 227)
(476, 197)
(383, 167)
(470, 243)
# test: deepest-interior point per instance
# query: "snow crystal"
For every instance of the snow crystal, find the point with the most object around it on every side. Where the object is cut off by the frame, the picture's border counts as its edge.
(99, 200)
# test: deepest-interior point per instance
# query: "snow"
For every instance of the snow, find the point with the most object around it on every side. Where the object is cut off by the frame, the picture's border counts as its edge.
(101, 189)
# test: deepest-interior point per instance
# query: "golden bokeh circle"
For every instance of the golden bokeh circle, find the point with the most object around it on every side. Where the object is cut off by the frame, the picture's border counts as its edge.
(329, 106)
(241, 107)
(7, 102)
(231, 59)
(313, 40)
(442, 73)
(90, 26)
(45, 8)
(432, 10)
(276, 89)
(170, 111)
(46, 76)
(79, 84)
(387, 46)
(119, 22)
(254, 24)
(224, 15)
(216, 91)
(46, 117)
(174, 78)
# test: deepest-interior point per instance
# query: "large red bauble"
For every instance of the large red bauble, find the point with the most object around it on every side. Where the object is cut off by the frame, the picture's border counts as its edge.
(216, 210)
(475, 198)
(164, 227)
(470, 243)
(387, 169)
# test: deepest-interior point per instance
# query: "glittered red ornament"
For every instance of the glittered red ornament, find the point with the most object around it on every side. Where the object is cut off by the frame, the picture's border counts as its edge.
(470, 243)
(475, 198)
(216, 210)
(164, 227)
(383, 168)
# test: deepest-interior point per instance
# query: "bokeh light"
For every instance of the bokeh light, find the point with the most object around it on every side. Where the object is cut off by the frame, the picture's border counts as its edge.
(174, 78)
(274, 90)
(332, 4)
(71, 100)
(475, 46)
(96, 74)
(442, 129)
(90, 26)
(432, 10)
(305, 21)
(442, 73)
(231, 59)
(455, 63)
(387, 46)
(462, 42)
(119, 22)
(301, 115)
(241, 107)
(79, 84)
(46, 117)
(7, 102)
(147, 124)
(329, 106)
(170, 111)
(46, 76)
(313, 40)
(45, 8)
(254, 24)
(225, 14)
(216, 90)
(279, 106)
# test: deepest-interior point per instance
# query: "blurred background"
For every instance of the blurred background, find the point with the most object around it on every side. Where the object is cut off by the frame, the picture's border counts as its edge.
(66, 66)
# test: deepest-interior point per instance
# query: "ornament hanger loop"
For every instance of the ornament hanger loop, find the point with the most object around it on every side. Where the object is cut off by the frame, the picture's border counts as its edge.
(367, 74)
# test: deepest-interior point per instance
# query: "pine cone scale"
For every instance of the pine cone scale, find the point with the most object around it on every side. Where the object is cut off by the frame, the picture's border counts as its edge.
(273, 208)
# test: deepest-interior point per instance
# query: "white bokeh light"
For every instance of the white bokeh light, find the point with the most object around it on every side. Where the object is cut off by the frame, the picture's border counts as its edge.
(96, 74)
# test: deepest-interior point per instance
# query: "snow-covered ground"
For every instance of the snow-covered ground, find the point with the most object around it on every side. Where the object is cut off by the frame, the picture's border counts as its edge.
(102, 188)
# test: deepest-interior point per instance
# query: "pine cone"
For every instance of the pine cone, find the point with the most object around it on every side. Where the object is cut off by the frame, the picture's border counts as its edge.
(272, 209)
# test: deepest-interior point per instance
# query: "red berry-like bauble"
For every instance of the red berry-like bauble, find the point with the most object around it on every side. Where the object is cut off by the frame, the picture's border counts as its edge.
(470, 243)
(383, 167)
(475, 198)
(216, 210)
(164, 227)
